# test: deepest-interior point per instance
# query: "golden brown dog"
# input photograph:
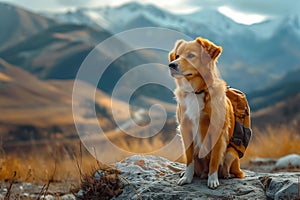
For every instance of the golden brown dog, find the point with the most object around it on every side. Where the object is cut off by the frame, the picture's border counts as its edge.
(204, 113)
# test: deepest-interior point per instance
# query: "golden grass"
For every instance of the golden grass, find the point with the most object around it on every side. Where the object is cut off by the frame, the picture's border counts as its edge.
(67, 163)
(273, 142)
(43, 165)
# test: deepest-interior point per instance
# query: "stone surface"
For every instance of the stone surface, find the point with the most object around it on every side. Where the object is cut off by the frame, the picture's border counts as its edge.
(151, 177)
(288, 161)
(31, 191)
(282, 186)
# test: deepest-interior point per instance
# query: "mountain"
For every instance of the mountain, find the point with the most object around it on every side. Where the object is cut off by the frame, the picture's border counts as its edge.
(260, 53)
(58, 52)
(44, 108)
(283, 112)
(257, 62)
(17, 24)
(287, 87)
(117, 19)
(34, 109)
(277, 103)
(112, 19)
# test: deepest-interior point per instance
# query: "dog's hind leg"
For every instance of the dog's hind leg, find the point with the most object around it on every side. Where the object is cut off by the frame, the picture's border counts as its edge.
(232, 164)
(228, 160)
(236, 170)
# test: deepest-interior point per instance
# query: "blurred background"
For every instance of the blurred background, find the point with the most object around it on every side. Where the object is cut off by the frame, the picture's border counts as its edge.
(43, 43)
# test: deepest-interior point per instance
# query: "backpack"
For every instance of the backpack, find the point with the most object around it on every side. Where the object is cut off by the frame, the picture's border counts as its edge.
(242, 129)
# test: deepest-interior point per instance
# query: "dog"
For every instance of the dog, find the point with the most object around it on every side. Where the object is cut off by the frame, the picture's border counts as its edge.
(205, 115)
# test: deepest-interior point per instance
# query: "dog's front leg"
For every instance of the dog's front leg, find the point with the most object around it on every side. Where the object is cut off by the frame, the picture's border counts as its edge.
(187, 136)
(215, 161)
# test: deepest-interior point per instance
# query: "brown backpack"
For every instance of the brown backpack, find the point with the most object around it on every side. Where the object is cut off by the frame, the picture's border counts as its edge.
(242, 128)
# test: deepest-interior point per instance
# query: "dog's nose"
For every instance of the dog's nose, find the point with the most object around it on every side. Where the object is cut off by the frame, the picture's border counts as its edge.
(173, 65)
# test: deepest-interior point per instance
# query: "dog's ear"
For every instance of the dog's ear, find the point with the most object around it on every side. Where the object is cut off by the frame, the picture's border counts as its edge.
(172, 54)
(213, 50)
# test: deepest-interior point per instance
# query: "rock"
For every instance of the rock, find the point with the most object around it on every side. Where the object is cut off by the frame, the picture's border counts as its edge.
(288, 162)
(80, 193)
(282, 186)
(263, 161)
(152, 178)
(261, 164)
(68, 197)
(47, 197)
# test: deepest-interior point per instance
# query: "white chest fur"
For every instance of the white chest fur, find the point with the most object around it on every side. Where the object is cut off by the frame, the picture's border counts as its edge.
(194, 104)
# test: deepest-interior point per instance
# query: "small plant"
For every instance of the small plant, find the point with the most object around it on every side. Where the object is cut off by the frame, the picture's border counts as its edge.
(104, 184)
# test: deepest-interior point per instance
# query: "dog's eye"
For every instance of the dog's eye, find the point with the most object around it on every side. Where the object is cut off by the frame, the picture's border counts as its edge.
(190, 55)
(190, 74)
(177, 56)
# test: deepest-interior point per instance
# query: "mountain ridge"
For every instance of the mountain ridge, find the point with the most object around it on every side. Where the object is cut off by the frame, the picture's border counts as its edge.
(21, 24)
(257, 51)
(261, 67)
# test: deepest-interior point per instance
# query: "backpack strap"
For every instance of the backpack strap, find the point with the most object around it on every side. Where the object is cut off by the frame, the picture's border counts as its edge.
(240, 139)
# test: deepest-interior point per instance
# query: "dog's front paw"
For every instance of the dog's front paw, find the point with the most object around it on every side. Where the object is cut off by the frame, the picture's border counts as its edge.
(188, 175)
(184, 180)
(213, 181)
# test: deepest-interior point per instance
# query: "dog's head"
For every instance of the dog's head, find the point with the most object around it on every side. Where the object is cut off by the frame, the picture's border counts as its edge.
(195, 61)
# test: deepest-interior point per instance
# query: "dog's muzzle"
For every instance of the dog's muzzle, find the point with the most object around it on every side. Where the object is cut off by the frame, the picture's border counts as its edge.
(174, 69)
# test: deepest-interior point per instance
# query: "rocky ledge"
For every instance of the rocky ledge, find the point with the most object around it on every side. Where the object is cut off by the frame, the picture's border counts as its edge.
(151, 177)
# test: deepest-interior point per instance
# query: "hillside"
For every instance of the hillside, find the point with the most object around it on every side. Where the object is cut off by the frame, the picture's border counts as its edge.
(277, 103)
(285, 111)
(28, 104)
(56, 52)
(17, 24)
(282, 89)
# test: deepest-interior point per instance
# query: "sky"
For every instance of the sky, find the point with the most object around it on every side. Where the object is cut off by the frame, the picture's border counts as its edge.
(241, 11)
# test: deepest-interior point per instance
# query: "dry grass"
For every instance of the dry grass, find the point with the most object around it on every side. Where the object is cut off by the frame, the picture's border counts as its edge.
(70, 164)
(41, 166)
(273, 142)
(106, 185)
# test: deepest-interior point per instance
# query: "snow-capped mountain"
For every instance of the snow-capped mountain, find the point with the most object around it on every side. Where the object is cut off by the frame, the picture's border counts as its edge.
(116, 19)
(292, 23)
(212, 22)
(111, 18)
(215, 21)
(268, 28)
(260, 52)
